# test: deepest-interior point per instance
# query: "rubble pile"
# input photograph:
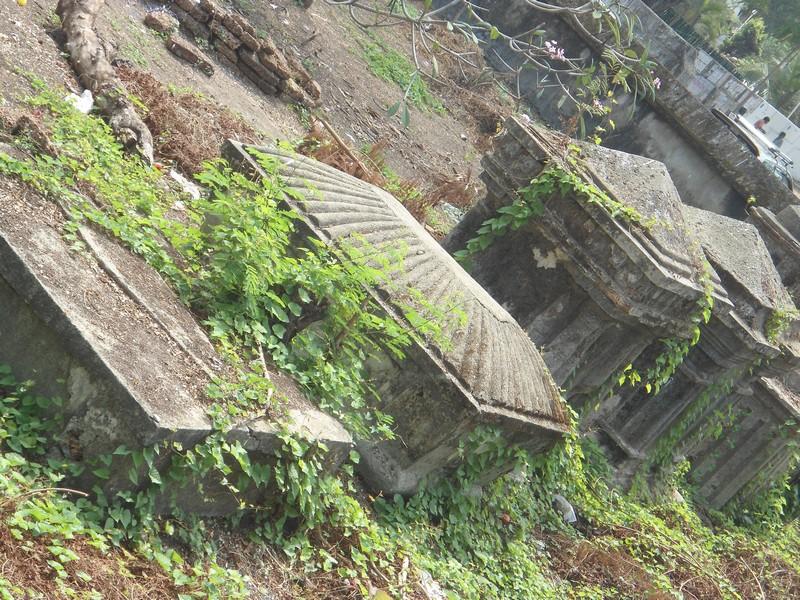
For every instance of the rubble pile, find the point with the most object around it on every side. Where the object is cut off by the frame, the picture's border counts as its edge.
(239, 47)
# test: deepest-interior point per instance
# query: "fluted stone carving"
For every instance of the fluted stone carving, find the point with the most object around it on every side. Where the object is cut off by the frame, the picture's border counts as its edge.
(486, 371)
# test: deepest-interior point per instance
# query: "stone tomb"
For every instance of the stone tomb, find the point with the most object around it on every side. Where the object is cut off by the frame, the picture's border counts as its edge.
(741, 443)
(731, 344)
(593, 292)
(102, 331)
(751, 447)
(781, 233)
(485, 371)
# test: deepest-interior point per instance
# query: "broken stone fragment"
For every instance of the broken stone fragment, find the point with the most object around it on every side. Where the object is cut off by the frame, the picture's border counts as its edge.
(227, 38)
(226, 51)
(161, 21)
(196, 28)
(260, 71)
(190, 53)
(276, 63)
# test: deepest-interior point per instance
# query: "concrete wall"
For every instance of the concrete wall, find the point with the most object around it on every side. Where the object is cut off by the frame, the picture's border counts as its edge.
(705, 159)
(698, 182)
(707, 80)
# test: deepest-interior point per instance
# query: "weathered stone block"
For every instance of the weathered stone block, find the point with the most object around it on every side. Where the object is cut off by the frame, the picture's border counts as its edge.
(193, 9)
(212, 9)
(249, 41)
(224, 36)
(225, 50)
(292, 89)
(196, 28)
(484, 372)
(300, 74)
(190, 53)
(260, 72)
(101, 330)
(161, 21)
(276, 63)
(241, 22)
(260, 82)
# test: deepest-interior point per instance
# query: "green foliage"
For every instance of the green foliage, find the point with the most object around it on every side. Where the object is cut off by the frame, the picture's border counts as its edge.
(781, 17)
(475, 534)
(236, 258)
(390, 65)
(558, 182)
(38, 513)
(711, 19)
(675, 349)
(779, 321)
(554, 182)
(238, 261)
(747, 41)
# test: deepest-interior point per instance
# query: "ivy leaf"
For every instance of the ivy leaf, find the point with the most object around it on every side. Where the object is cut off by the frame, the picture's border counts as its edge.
(154, 475)
(102, 473)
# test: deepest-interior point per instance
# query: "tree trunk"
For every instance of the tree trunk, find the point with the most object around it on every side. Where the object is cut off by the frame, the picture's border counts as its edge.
(88, 58)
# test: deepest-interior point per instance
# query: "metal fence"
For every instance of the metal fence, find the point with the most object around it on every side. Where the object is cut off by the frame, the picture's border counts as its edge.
(688, 33)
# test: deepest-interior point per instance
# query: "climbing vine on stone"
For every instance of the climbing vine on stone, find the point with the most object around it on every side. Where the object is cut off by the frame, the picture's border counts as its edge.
(553, 181)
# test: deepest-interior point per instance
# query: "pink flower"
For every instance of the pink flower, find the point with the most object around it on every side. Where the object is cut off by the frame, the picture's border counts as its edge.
(553, 51)
(656, 81)
(597, 104)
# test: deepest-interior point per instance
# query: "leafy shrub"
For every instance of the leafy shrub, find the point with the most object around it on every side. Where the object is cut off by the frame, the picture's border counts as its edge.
(747, 41)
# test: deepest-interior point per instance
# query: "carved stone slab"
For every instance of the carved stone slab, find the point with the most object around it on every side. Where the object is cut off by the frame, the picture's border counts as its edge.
(484, 371)
(102, 331)
(592, 290)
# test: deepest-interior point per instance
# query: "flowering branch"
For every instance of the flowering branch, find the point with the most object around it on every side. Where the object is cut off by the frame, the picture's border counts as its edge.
(587, 84)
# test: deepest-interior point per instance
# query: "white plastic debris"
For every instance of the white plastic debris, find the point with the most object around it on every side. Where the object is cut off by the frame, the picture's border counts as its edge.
(83, 103)
(430, 587)
(189, 187)
(563, 506)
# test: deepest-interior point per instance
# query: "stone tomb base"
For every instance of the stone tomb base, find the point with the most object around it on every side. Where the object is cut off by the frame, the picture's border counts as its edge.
(102, 331)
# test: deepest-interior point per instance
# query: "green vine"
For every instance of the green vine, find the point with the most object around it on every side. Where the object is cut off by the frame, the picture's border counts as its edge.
(238, 264)
(779, 321)
(555, 180)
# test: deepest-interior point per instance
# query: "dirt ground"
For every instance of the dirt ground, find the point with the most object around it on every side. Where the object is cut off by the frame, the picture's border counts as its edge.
(354, 100)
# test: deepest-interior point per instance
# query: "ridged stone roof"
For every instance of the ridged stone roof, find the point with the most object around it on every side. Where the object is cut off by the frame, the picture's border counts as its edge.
(489, 355)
